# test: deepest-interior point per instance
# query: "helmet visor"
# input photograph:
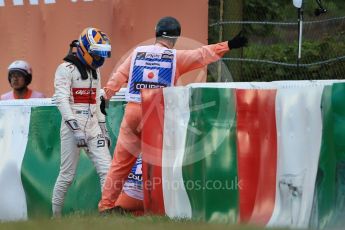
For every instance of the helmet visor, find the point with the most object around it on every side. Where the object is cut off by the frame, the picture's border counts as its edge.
(102, 50)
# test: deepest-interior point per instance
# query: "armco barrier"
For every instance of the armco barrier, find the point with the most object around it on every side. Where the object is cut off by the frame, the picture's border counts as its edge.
(247, 152)
(266, 153)
(30, 159)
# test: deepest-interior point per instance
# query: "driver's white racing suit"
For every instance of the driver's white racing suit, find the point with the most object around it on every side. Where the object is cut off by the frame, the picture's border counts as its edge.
(78, 101)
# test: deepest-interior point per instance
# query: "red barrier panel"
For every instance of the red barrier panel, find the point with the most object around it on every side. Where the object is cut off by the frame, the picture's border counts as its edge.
(257, 153)
(153, 123)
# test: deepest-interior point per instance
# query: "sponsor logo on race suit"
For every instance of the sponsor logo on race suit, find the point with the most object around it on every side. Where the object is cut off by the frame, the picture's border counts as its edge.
(84, 95)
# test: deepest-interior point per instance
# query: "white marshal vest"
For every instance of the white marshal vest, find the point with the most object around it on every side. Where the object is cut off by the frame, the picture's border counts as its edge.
(133, 186)
(151, 67)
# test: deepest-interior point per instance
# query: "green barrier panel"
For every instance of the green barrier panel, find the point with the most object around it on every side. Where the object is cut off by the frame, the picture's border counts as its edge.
(114, 117)
(41, 163)
(339, 133)
(210, 160)
(329, 205)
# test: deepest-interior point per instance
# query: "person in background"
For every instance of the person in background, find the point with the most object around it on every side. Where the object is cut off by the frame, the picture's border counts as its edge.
(19, 77)
(154, 66)
(77, 95)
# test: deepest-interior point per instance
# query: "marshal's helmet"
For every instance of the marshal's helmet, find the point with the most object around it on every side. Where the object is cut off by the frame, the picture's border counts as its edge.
(94, 46)
(168, 27)
(22, 67)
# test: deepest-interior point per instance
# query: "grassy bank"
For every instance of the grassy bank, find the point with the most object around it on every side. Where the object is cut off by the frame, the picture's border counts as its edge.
(81, 222)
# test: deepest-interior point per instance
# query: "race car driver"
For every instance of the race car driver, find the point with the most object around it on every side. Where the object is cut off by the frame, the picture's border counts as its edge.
(77, 95)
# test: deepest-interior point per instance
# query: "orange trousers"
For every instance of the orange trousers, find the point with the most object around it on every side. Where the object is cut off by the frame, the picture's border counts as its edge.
(127, 149)
(135, 206)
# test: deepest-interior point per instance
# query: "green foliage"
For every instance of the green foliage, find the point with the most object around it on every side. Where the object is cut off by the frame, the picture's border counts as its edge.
(321, 41)
(261, 10)
(287, 54)
(214, 16)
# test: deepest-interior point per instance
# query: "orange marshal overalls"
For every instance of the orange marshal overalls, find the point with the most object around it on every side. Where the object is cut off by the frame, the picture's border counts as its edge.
(129, 140)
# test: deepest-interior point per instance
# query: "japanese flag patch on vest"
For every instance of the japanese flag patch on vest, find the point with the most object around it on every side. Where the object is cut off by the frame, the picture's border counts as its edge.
(151, 67)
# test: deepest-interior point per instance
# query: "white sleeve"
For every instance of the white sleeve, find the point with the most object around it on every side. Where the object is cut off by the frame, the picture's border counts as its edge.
(100, 115)
(62, 84)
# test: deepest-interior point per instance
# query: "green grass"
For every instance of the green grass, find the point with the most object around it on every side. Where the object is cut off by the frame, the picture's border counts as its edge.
(79, 222)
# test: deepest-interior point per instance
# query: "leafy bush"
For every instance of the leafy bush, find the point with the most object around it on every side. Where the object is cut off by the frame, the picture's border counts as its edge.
(321, 41)
(312, 52)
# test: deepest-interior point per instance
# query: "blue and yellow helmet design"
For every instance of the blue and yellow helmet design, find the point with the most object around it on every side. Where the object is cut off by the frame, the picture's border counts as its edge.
(94, 46)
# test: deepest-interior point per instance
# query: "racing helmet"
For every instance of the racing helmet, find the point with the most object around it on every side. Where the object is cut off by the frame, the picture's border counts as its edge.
(168, 27)
(94, 46)
(22, 67)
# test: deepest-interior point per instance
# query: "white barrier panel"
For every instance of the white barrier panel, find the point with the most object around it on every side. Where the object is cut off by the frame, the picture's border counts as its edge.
(176, 201)
(14, 128)
(299, 129)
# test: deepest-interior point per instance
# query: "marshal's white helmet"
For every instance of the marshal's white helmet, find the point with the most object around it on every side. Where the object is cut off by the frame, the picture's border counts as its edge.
(22, 67)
